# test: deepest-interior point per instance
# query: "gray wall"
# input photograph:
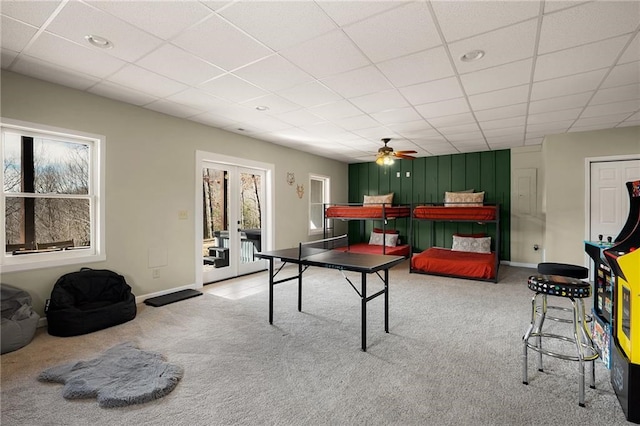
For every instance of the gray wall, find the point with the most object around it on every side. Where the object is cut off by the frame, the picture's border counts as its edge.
(150, 172)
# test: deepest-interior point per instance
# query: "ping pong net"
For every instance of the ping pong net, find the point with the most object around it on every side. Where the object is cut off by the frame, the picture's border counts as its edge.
(318, 246)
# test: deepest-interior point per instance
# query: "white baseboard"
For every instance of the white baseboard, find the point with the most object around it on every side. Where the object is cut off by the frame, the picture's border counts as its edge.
(519, 264)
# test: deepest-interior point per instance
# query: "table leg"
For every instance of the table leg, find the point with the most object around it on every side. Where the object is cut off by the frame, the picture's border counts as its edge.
(271, 291)
(364, 311)
(386, 300)
(299, 287)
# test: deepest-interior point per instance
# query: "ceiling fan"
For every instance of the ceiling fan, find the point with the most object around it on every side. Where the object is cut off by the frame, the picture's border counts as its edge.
(386, 154)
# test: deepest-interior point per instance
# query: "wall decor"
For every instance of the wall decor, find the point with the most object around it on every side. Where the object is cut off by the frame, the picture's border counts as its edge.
(300, 190)
(291, 178)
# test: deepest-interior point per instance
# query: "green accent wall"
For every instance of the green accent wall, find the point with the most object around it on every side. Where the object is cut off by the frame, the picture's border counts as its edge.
(430, 178)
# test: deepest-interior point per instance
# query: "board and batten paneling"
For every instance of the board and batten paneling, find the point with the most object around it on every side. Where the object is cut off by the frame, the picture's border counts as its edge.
(425, 180)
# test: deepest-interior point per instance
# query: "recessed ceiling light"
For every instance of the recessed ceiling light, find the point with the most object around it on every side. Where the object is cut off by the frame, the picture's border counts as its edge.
(474, 55)
(98, 41)
(262, 108)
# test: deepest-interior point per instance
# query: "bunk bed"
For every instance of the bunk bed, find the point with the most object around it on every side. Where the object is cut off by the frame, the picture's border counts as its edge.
(382, 240)
(471, 255)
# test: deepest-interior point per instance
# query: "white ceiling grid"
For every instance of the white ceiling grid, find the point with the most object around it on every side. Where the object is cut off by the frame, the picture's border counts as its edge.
(337, 76)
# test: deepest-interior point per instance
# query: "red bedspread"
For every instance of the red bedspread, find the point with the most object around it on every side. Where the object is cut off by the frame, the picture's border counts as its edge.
(402, 250)
(478, 213)
(442, 261)
(366, 212)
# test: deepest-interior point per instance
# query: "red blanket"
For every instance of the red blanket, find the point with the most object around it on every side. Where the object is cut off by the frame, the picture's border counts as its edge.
(366, 212)
(478, 213)
(442, 261)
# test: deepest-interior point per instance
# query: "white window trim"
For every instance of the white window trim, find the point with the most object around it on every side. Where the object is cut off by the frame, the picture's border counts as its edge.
(326, 199)
(97, 252)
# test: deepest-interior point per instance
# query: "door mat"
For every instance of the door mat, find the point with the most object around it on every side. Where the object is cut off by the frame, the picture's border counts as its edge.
(165, 299)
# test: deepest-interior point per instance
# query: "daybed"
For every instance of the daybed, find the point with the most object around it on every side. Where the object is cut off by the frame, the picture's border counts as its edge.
(471, 255)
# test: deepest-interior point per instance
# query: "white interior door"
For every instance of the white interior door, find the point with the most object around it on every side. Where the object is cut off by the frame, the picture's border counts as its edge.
(609, 197)
(233, 214)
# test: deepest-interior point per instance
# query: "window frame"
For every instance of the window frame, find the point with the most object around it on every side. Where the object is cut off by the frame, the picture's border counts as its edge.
(326, 198)
(96, 252)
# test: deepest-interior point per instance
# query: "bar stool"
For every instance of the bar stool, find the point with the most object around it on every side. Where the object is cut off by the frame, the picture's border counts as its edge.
(574, 289)
(564, 270)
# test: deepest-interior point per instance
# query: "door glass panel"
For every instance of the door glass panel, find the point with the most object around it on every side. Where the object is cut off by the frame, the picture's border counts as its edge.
(215, 199)
(250, 220)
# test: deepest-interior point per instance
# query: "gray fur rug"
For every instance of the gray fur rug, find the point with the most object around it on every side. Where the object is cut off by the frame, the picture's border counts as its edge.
(121, 376)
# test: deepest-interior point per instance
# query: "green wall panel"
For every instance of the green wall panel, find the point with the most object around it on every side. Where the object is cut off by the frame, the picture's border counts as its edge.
(430, 178)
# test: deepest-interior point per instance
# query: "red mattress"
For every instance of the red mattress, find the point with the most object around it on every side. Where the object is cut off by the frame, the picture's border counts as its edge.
(366, 212)
(402, 250)
(478, 213)
(442, 261)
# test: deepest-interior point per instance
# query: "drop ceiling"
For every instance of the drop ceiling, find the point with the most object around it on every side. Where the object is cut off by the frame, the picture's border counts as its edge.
(335, 77)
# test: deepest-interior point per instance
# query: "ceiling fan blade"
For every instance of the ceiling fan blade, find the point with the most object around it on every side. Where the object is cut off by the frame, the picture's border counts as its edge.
(406, 152)
(406, 157)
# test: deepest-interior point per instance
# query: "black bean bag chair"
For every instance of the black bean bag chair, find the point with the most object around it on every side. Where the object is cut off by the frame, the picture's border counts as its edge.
(19, 321)
(89, 300)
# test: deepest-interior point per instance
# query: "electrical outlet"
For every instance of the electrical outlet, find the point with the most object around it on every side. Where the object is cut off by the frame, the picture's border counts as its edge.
(155, 273)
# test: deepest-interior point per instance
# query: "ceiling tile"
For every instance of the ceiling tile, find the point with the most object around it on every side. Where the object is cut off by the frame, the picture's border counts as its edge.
(395, 116)
(357, 122)
(632, 52)
(336, 110)
(273, 73)
(358, 82)
(175, 63)
(458, 130)
(440, 109)
(515, 131)
(7, 57)
(78, 20)
(347, 12)
(232, 88)
(616, 94)
(31, 12)
(500, 77)
(453, 120)
(501, 46)
(310, 94)
(577, 83)
(212, 120)
(498, 98)
(587, 23)
(623, 75)
(14, 35)
(550, 117)
(329, 54)
(45, 71)
(502, 112)
(578, 59)
(610, 120)
(237, 49)
(503, 123)
(427, 65)
(380, 101)
(550, 128)
(561, 102)
(612, 108)
(121, 93)
(198, 99)
(172, 108)
(471, 138)
(433, 91)
(146, 81)
(164, 19)
(59, 51)
(300, 118)
(279, 24)
(397, 32)
(460, 19)
(274, 103)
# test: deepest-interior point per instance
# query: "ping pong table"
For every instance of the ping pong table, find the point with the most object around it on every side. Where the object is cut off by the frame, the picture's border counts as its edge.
(321, 254)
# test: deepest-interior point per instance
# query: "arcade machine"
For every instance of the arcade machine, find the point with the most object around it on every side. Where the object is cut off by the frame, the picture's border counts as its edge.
(624, 260)
(603, 283)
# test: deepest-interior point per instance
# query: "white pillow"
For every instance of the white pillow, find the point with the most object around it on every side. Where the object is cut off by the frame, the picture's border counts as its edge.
(386, 199)
(473, 245)
(376, 239)
(463, 199)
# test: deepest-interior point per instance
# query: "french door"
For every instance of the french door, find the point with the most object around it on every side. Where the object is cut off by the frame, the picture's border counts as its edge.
(233, 218)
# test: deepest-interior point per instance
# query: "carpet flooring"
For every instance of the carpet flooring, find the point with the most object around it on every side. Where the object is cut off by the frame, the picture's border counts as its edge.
(453, 356)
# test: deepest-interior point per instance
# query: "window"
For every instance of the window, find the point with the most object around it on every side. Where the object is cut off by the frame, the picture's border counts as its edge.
(318, 197)
(51, 201)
